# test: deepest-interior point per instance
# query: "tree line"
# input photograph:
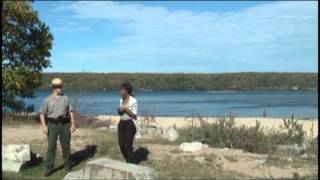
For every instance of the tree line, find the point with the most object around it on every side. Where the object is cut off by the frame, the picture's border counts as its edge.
(183, 82)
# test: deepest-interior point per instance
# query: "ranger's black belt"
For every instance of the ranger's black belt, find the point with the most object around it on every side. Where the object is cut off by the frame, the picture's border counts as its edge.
(58, 120)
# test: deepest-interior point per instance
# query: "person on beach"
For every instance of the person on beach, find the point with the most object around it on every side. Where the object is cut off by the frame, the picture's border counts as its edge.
(128, 115)
(56, 113)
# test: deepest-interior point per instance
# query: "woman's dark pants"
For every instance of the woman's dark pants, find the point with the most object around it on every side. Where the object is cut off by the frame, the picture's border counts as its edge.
(126, 132)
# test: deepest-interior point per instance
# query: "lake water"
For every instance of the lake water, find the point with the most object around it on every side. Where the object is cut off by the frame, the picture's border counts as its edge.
(303, 104)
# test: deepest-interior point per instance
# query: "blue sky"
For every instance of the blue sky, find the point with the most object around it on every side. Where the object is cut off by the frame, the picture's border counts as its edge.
(168, 37)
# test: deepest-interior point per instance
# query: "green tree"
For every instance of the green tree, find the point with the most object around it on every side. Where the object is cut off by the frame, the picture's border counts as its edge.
(26, 45)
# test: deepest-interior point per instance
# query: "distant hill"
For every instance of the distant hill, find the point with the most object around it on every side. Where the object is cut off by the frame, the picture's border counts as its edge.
(180, 81)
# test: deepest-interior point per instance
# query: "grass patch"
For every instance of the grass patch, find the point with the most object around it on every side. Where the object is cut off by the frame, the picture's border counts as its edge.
(176, 151)
(157, 140)
(231, 158)
(36, 172)
(107, 145)
(187, 168)
(281, 159)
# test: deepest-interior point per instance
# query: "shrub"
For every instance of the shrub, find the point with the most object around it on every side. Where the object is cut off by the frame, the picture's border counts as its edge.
(223, 133)
(148, 117)
(293, 132)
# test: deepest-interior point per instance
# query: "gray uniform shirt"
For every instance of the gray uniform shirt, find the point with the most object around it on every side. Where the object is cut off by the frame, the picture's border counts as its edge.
(53, 107)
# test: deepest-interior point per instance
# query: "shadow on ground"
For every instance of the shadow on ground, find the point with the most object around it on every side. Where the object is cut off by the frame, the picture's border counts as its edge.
(83, 155)
(141, 154)
(34, 161)
(80, 156)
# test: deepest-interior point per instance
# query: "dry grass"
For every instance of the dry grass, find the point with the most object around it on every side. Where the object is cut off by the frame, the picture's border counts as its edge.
(224, 133)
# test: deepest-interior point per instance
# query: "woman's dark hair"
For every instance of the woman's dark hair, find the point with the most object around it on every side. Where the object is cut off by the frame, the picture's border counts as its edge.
(128, 87)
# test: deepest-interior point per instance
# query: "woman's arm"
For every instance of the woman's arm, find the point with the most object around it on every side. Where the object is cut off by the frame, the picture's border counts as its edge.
(134, 109)
(130, 113)
(120, 111)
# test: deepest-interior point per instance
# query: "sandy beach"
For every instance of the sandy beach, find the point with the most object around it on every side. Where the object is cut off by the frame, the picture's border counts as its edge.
(310, 126)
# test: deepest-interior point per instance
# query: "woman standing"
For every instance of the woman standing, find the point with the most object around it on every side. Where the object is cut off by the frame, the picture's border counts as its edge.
(126, 128)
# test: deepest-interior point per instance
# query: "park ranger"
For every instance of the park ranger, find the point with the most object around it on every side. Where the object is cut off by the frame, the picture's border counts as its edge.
(57, 120)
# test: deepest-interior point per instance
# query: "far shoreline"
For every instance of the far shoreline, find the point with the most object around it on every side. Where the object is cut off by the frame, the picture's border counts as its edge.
(186, 90)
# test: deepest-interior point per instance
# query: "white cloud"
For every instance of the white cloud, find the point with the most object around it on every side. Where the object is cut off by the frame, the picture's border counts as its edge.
(266, 34)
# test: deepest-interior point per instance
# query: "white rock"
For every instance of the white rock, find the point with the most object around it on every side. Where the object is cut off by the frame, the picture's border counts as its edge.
(290, 159)
(138, 136)
(171, 134)
(113, 127)
(261, 162)
(205, 146)
(73, 175)
(37, 155)
(11, 166)
(105, 168)
(14, 156)
(102, 128)
(305, 156)
(16, 152)
(191, 147)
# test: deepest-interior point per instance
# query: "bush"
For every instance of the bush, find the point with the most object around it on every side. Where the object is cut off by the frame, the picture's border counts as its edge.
(253, 139)
(293, 132)
(223, 133)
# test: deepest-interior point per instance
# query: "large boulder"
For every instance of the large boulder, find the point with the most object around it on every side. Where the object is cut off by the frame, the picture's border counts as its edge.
(191, 147)
(171, 134)
(105, 168)
(111, 169)
(14, 156)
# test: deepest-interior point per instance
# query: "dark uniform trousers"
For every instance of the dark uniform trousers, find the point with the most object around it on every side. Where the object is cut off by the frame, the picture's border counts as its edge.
(126, 132)
(61, 130)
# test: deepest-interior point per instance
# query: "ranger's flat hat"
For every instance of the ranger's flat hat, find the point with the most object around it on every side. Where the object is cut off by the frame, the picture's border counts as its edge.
(56, 81)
